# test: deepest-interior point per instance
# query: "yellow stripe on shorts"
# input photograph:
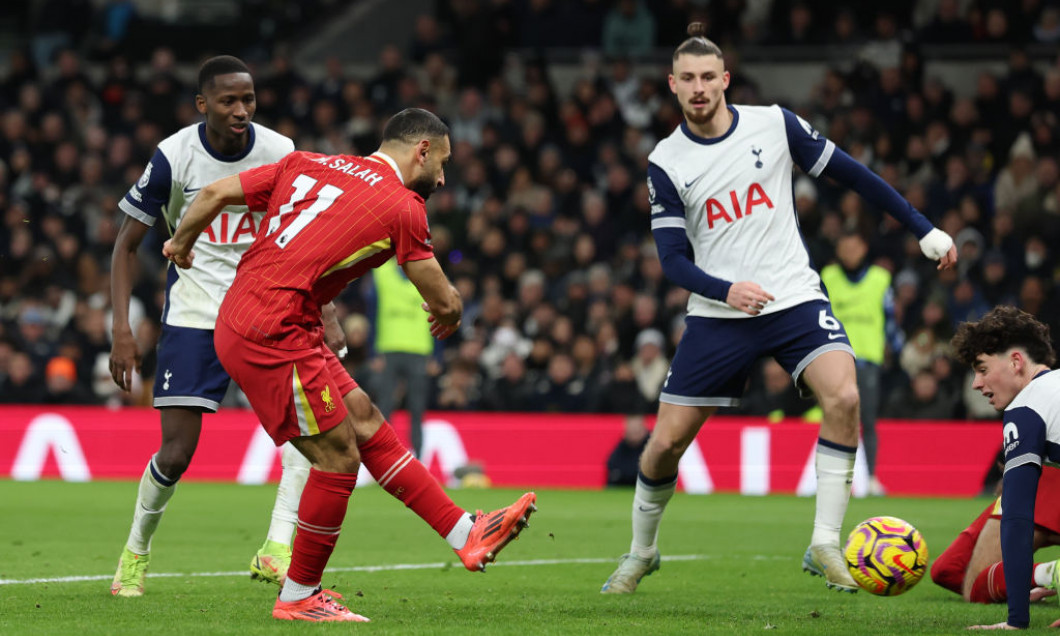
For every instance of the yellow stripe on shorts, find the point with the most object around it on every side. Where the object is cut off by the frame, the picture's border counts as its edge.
(307, 421)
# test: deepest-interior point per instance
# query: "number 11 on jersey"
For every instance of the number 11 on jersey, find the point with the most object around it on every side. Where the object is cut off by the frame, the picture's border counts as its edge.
(302, 185)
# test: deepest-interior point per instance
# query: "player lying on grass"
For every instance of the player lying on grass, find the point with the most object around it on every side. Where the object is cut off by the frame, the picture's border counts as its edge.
(329, 220)
(1011, 355)
(971, 566)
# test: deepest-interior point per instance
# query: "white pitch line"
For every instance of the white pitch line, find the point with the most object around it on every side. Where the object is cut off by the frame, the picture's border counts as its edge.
(367, 568)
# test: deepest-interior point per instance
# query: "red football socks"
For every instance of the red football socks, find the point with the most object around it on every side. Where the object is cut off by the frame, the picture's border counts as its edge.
(320, 515)
(407, 479)
(989, 586)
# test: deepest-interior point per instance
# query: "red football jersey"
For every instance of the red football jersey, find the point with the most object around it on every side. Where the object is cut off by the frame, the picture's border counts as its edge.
(329, 219)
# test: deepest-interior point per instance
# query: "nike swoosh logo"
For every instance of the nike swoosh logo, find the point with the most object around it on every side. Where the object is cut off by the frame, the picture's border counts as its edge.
(689, 184)
(643, 509)
(833, 336)
(188, 190)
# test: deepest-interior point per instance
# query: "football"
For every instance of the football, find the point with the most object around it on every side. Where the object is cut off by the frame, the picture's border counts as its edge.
(886, 555)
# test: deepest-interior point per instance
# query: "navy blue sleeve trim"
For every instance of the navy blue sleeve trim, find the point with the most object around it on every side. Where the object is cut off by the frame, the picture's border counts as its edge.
(680, 269)
(844, 169)
(150, 195)
(1020, 487)
(1024, 437)
(662, 194)
(809, 149)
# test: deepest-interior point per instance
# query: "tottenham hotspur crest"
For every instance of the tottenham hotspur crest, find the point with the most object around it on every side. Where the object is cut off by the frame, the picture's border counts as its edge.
(757, 152)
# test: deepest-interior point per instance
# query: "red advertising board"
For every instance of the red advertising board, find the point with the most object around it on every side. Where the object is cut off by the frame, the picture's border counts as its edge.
(731, 454)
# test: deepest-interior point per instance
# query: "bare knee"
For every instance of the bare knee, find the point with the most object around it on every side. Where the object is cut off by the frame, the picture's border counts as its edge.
(174, 457)
(333, 451)
(664, 451)
(844, 402)
(360, 407)
(366, 417)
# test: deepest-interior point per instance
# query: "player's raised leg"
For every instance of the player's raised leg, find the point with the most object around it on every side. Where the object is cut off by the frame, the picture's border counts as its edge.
(476, 539)
(831, 376)
(180, 436)
(675, 428)
(270, 563)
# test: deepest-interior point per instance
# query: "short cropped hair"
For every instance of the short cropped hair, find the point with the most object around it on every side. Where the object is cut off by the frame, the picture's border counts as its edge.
(697, 43)
(998, 331)
(413, 124)
(220, 65)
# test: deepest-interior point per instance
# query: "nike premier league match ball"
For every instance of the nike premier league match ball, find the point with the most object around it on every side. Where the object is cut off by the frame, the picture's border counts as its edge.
(886, 555)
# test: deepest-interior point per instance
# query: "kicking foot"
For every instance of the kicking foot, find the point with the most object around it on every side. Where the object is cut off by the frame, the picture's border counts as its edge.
(493, 531)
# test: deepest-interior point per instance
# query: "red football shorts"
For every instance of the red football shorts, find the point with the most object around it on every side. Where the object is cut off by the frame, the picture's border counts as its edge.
(294, 393)
(1046, 502)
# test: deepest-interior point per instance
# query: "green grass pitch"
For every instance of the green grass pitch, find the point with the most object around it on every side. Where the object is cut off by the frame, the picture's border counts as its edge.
(734, 567)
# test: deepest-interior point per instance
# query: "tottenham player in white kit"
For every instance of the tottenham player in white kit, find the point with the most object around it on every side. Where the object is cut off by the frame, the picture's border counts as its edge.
(1011, 355)
(190, 380)
(726, 229)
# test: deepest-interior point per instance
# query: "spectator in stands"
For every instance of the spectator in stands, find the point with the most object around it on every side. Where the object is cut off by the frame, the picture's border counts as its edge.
(924, 399)
(61, 384)
(22, 384)
(650, 364)
(623, 462)
(554, 169)
(512, 390)
(774, 395)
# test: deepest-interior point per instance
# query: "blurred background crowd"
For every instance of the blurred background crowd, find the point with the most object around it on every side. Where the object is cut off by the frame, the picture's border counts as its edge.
(543, 224)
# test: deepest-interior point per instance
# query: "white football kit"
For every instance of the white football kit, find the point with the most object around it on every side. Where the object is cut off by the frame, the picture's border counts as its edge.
(183, 163)
(1031, 435)
(1032, 423)
(189, 373)
(733, 197)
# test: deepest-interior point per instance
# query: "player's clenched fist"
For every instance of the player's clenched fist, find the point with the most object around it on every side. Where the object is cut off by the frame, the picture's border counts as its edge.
(748, 297)
(181, 256)
(938, 246)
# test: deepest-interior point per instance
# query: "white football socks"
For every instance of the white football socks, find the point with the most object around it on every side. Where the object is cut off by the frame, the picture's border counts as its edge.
(1043, 574)
(288, 495)
(835, 471)
(293, 591)
(150, 504)
(649, 502)
(457, 537)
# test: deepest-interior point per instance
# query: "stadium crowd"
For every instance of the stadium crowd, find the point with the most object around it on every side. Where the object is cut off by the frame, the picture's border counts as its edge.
(544, 222)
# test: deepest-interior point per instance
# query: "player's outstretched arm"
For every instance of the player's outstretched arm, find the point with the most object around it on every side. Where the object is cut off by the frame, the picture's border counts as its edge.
(934, 243)
(441, 300)
(202, 211)
(124, 353)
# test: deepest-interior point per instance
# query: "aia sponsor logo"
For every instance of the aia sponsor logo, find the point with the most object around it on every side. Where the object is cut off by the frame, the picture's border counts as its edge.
(728, 209)
(232, 227)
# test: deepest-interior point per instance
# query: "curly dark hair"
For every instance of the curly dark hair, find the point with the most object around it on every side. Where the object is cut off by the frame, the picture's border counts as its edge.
(999, 330)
